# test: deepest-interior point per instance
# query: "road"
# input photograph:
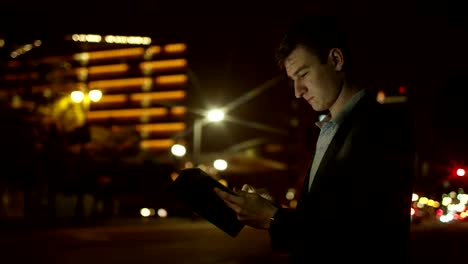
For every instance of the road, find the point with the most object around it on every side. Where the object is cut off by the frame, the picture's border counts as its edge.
(174, 241)
(165, 241)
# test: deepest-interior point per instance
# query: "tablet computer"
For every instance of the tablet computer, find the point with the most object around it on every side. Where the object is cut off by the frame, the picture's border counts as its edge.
(194, 187)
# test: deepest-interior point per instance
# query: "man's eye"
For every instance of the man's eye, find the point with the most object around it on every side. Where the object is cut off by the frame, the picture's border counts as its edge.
(303, 75)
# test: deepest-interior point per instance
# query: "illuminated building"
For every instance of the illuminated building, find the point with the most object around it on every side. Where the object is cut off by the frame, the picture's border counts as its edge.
(143, 84)
(142, 107)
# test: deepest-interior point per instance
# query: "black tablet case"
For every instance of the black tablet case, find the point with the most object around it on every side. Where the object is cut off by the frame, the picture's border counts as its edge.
(194, 187)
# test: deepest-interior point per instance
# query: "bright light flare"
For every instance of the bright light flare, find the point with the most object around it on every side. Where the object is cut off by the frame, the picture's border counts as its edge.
(95, 95)
(162, 212)
(178, 150)
(220, 164)
(215, 115)
(77, 96)
(145, 212)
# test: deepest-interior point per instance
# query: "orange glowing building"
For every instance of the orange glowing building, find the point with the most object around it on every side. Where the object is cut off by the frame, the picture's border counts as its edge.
(143, 84)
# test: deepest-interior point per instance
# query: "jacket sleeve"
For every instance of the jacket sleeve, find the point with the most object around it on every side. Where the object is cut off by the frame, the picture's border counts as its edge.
(284, 229)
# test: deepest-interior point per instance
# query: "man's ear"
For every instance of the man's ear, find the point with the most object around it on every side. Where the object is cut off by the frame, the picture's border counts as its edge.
(336, 59)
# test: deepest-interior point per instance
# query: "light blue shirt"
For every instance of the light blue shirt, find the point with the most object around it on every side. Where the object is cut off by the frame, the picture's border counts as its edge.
(328, 127)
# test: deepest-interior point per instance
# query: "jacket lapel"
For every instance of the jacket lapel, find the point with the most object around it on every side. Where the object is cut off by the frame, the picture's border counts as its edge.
(337, 142)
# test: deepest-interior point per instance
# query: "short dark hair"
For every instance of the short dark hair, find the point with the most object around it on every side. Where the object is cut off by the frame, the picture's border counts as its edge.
(317, 33)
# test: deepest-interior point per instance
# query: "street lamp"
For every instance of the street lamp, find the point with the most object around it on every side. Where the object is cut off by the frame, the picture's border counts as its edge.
(220, 164)
(82, 137)
(178, 150)
(215, 115)
(80, 96)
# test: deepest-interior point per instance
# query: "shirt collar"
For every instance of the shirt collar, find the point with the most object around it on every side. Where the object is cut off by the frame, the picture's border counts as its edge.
(338, 119)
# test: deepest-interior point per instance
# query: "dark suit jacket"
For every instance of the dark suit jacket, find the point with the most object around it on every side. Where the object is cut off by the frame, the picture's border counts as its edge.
(358, 207)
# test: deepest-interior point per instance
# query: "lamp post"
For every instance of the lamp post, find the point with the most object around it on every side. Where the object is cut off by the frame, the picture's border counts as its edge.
(215, 115)
(84, 100)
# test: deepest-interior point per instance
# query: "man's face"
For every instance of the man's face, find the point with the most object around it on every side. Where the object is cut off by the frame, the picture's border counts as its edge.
(319, 84)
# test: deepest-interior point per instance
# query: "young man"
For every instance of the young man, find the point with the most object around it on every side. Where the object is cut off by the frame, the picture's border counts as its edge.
(356, 199)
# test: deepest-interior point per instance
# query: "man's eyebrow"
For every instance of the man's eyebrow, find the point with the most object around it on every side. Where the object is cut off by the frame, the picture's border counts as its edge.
(299, 69)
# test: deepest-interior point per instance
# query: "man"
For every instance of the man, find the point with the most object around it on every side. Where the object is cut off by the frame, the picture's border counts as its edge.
(356, 199)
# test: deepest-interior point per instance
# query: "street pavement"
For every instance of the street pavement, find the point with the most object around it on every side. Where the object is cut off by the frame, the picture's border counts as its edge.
(191, 241)
(163, 241)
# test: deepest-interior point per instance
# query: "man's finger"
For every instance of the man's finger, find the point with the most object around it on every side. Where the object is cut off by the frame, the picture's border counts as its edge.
(234, 206)
(248, 188)
(227, 196)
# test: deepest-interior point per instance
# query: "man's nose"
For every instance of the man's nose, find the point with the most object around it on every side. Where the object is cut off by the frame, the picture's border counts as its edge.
(299, 89)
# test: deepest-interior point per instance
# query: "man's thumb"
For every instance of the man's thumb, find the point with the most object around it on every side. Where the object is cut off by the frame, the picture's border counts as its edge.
(248, 188)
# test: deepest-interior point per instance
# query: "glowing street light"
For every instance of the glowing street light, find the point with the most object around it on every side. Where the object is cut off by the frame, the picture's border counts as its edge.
(77, 96)
(95, 95)
(80, 97)
(220, 164)
(215, 115)
(178, 150)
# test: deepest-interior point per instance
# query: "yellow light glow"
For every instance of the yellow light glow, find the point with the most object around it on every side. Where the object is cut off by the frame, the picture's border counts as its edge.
(95, 95)
(291, 193)
(171, 79)
(156, 144)
(163, 64)
(113, 98)
(139, 97)
(106, 69)
(153, 50)
(110, 54)
(158, 96)
(145, 212)
(430, 202)
(381, 96)
(77, 96)
(220, 164)
(175, 48)
(223, 182)
(127, 113)
(86, 38)
(119, 83)
(178, 150)
(161, 127)
(136, 40)
(293, 204)
(174, 176)
(215, 115)
(178, 110)
(423, 200)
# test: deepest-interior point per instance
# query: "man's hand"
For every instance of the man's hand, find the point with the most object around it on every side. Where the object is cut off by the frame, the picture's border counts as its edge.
(252, 209)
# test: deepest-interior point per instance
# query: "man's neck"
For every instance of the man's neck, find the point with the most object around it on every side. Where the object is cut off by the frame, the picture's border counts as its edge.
(345, 95)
